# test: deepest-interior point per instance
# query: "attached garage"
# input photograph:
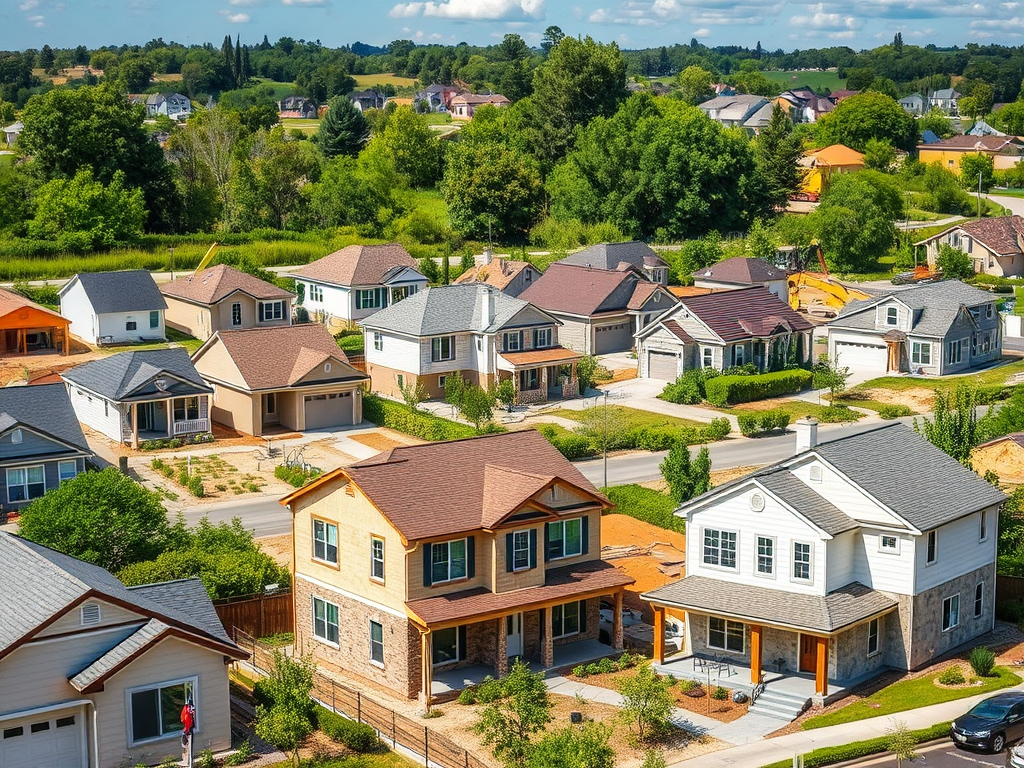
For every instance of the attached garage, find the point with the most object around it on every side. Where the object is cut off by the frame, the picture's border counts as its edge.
(862, 357)
(328, 410)
(613, 337)
(662, 365)
(50, 740)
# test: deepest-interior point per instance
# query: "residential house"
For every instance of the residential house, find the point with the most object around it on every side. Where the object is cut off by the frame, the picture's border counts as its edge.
(936, 328)
(996, 246)
(348, 285)
(822, 164)
(981, 128)
(41, 443)
(365, 100)
(145, 395)
(297, 107)
(174, 105)
(507, 275)
(804, 105)
(742, 272)
(222, 298)
(732, 111)
(291, 377)
(842, 93)
(930, 137)
(464, 105)
(914, 104)
(620, 256)
(96, 673)
(1005, 151)
(721, 330)
(413, 578)
(27, 328)
(831, 564)
(946, 99)
(599, 309)
(761, 119)
(436, 97)
(12, 132)
(473, 330)
(114, 307)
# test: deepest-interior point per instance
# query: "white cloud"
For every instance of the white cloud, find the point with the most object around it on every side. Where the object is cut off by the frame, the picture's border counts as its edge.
(472, 10)
(246, 3)
(702, 32)
(827, 22)
(37, 21)
(235, 18)
(28, 5)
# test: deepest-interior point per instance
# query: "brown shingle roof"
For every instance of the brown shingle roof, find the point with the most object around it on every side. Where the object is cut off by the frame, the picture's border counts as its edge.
(581, 290)
(499, 273)
(278, 357)
(741, 271)
(551, 356)
(216, 283)
(357, 264)
(410, 486)
(572, 581)
(11, 302)
(1003, 235)
(681, 291)
(746, 312)
(641, 293)
(678, 331)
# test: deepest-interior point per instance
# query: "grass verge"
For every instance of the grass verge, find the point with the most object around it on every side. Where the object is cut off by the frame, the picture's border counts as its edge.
(909, 694)
(853, 750)
(797, 409)
(645, 504)
(990, 377)
(633, 418)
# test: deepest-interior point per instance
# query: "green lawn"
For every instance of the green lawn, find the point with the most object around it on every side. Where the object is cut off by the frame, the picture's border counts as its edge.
(910, 694)
(364, 82)
(438, 118)
(645, 504)
(309, 127)
(796, 409)
(988, 378)
(281, 90)
(387, 759)
(789, 79)
(188, 342)
(633, 418)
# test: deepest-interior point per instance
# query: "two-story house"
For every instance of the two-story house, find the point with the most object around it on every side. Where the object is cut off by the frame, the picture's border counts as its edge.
(224, 298)
(348, 285)
(174, 105)
(96, 674)
(620, 256)
(474, 330)
(945, 99)
(996, 246)
(937, 328)
(114, 307)
(869, 551)
(414, 579)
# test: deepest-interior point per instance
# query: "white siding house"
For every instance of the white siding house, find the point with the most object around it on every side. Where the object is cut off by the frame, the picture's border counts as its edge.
(114, 307)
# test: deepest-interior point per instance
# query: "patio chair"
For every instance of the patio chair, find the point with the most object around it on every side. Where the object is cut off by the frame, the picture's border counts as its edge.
(700, 664)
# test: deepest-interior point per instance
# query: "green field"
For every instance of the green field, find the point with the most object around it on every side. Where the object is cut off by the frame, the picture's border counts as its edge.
(369, 81)
(281, 90)
(815, 80)
(306, 126)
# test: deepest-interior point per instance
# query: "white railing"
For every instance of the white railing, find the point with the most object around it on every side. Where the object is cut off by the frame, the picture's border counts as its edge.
(192, 426)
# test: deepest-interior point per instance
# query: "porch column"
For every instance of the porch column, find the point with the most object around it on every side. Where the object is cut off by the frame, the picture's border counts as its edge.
(135, 425)
(501, 662)
(427, 667)
(617, 623)
(169, 405)
(547, 644)
(755, 653)
(821, 670)
(659, 634)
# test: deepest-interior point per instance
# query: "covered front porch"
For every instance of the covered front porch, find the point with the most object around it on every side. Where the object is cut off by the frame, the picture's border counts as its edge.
(540, 375)
(166, 418)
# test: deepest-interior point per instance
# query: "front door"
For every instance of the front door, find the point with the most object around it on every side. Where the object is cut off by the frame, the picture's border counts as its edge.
(808, 653)
(147, 417)
(514, 634)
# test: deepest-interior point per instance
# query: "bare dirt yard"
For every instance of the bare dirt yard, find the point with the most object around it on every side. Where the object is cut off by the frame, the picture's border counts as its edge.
(919, 399)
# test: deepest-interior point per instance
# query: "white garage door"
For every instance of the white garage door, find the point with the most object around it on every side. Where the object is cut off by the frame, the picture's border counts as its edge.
(662, 365)
(864, 357)
(45, 741)
(613, 338)
(333, 410)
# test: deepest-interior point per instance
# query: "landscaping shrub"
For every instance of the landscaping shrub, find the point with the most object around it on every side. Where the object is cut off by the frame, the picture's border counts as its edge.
(894, 411)
(606, 665)
(489, 691)
(400, 417)
(579, 671)
(183, 477)
(467, 697)
(242, 755)
(729, 390)
(982, 661)
(646, 504)
(296, 475)
(573, 446)
(719, 694)
(593, 669)
(686, 685)
(759, 423)
(840, 754)
(835, 414)
(952, 676)
(261, 694)
(358, 737)
(690, 388)
(195, 486)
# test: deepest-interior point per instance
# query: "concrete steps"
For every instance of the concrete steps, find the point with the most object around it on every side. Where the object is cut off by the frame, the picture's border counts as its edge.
(779, 704)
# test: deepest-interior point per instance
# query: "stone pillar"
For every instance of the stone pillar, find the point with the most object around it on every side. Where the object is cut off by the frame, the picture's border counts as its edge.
(755, 653)
(427, 668)
(617, 642)
(501, 659)
(821, 670)
(547, 644)
(659, 634)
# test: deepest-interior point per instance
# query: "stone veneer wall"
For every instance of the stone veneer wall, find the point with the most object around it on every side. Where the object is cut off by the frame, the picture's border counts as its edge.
(849, 658)
(927, 638)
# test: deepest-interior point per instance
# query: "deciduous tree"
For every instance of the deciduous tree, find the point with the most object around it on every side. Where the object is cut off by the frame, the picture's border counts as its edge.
(975, 168)
(866, 116)
(409, 143)
(84, 214)
(856, 219)
(694, 85)
(646, 703)
(953, 262)
(954, 426)
(509, 724)
(288, 719)
(687, 477)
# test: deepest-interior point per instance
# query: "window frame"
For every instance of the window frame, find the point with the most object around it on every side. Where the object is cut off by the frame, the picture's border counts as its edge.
(370, 298)
(727, 624)
(434, 562)
(326, 638)
(378, 341)
(507, 336)
(271, 310)
(809, 578)
(717, 547)
(154, 318)
(876, 637)
(455, 646)
(190, 403)
(520, 551)
(374, 644)
(770, 556)
(919, 351)
(948, 613)
(558, 630)
(131, 325)
(563, 524)
(437, 354)
(979, 599)
(931, 550)
(325, 526)
(893, 550)
(954, 352)
(61, 479)
(983, 527)
(892, 316)
(375, 560)
(707, 357)
(541, 338)
(129, 694)
(26, 485)
(236, 314)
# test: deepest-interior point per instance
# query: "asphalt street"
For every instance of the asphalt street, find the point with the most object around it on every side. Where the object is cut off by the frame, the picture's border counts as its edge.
(943, 755)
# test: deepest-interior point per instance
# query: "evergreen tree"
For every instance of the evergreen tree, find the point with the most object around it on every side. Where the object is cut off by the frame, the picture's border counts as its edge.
(686, 477)
(897, 43)
(344, 130)
(265, 45)
(758, 52)
(237, 65)
(776, 152)
(228, 52)
(246, 67)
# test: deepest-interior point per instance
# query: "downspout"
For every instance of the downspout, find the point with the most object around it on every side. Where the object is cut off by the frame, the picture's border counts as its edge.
(95, 735)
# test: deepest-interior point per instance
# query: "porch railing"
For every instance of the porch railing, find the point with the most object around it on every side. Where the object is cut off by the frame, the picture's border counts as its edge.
(191, 426)
(758, 689)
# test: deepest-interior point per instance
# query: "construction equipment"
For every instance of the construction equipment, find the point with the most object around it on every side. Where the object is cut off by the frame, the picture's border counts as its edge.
(921, 274)
(817, 293)
(203, 262)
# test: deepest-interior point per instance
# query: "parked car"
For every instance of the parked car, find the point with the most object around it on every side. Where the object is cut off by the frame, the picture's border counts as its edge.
(992, 723)
(1015, 757)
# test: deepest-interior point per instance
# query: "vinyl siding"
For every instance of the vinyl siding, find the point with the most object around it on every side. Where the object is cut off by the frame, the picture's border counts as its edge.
(51, 476)
(75, 306)
(399, 352)
(113, 324)
(188, 318)
(336, 302)
(110, 614)
(90, 411)
(32, 445)
(576, 335)
(958, 552)
(885, 571)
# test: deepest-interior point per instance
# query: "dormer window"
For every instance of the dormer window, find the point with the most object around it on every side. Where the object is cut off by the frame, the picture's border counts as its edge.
(891, 316)
(90, 614)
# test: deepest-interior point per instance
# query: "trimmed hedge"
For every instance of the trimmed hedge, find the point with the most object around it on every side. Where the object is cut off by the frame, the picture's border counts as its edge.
(402, 418)
(645, 504)
(729, 390)
(844, 752)
(358, 737)
(575, 446)
(755, 424)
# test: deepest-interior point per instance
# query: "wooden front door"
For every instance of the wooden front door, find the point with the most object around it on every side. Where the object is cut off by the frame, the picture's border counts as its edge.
(808, 653)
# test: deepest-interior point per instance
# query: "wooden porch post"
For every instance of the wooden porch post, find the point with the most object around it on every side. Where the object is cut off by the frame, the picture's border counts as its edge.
(755, 653)
(170, 417)
(501, 660)
(427, 667)
(617, 641)
(659, 634)
(547, 647)
(821, 671)
(135, 425)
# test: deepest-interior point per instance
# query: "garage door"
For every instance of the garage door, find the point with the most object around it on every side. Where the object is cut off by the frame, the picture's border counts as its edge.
(47, 741)
(662, 365)
(333, 410)
(613, 338)
(864, 357)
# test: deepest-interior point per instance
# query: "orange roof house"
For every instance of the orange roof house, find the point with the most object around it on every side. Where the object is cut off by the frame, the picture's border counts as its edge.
(822, 163)
(27, 327)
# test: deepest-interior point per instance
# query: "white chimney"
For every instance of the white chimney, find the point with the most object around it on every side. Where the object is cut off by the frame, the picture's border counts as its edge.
(486, 307)
(806, 433)
(488, 255)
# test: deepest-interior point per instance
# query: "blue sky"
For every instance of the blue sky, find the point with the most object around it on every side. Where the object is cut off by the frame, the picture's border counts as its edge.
(632, 23)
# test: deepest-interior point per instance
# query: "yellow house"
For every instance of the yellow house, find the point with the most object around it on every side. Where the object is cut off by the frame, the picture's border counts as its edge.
(1006, 151)
(822, 163)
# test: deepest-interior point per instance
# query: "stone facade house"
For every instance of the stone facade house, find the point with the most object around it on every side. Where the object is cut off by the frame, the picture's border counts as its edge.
(832, 563)
(421, 581)
(996, 246)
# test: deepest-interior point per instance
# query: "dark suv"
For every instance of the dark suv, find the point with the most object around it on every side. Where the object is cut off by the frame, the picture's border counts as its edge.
(992, 723)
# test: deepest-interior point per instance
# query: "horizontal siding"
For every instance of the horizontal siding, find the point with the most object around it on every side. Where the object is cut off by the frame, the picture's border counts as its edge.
(31, 446)
(90, 411)
(75, 306)
(336, 301)
(109, 614)
(113, 324)
(959, 550)
(398, 352)
(845, 496)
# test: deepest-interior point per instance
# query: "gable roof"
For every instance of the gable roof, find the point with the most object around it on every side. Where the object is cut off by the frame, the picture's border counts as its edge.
(808, 503)
(129, 291)
(746, 312)
(1003, 235)
(281, 356)
(217, 283)
(741, 271)
(499, 273)
(496, 474)
(580, 290)
(936, 306)
(12, 302)
(446, 309)
(357, 265)
(45, 408)
(611, 255)
(117, 376)
(988, 144)
(55, 582)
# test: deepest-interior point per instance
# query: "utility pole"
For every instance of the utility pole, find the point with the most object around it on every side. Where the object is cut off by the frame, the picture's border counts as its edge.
(979, 194)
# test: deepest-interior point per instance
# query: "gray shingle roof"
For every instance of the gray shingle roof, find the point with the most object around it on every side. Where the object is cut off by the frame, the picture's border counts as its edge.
(130, 291)
(445, 309)
(45, 408)
(128, 374)
(120, 653)
(805, 500)
(40, 583)
(935, 305)
(815, 613)
(610, 255)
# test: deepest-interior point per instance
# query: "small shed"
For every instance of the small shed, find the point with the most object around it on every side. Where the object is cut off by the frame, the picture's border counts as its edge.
(27, 327)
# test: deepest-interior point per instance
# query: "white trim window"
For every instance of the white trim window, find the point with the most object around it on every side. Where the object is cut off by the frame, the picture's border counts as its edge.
(376, 643)
(316, 292)
(765, 565)
(932, 548)
(720, 548)
(25, 483)
(565, 538)
(377, 558)
(951, 613)
(447, 561)
(371, 298)
(442, 348)
(873, 637)
(565, 619)
(954, 352)
(154, 711)
(888, 542)
(236, 314)
(920, 353)
(541, 338)
(983, 526)
(378, 341)
(271, 310)
(739, 353)
(892, 316)
(521, 550)
(725, 635)
(802, 560)
(707, 357)
(67, 470)
(512, 341)
(325, 620)
(325, 541)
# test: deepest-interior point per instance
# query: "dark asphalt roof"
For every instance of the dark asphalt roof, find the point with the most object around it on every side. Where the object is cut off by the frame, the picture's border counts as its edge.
(45, 408)
(129, 291)
(119, 376)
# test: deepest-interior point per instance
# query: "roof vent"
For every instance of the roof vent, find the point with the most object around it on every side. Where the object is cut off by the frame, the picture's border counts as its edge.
(756, 502)
(161, 384)
(90, 614)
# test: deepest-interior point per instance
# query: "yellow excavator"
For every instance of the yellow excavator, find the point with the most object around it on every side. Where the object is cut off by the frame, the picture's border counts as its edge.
(818, 293)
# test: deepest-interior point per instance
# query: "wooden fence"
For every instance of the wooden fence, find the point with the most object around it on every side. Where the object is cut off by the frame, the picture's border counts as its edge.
(1009, 588)
(257, 615)
(433, 748)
